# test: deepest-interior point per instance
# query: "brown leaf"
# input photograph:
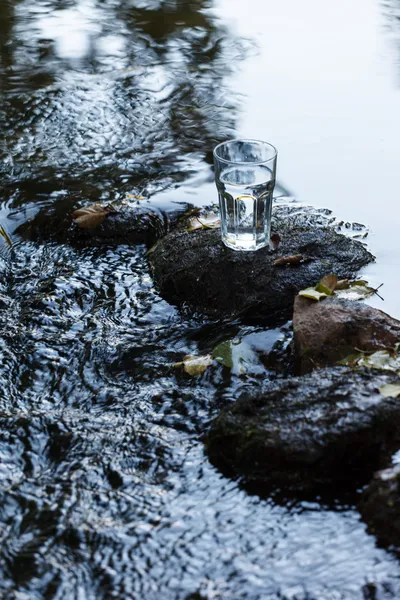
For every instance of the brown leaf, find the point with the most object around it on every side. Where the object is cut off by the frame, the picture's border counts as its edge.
(275, 240)
(342, 284)
(288, 260)
(327, 285)
(90, 217)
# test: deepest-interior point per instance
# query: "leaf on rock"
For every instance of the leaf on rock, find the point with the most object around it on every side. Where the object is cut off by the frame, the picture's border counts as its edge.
(342, 284)
(327, 285)
(274, 241)
(206, 221)
(356, 290)
(384, 360)
(390, 390)
(285, 261)
(351, 360)
(313, 294)
(195, 365)
(90, 217)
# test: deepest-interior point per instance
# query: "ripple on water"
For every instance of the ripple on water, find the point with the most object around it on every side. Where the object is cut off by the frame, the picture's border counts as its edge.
(105, 491)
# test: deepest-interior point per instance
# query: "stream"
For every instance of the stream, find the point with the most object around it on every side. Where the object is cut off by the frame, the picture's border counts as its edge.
(105, 489)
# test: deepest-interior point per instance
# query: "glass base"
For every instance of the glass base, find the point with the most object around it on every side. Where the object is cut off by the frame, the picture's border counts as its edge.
(244, 243)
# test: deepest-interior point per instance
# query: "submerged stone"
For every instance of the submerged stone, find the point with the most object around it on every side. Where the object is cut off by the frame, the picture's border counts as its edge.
(380, 506)
(125, 223)
(306, 433)
(196, 270)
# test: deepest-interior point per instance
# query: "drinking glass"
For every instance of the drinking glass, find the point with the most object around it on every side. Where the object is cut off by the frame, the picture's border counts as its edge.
(245, 177)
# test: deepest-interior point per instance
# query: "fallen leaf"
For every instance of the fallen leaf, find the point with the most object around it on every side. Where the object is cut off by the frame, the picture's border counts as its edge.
(384, 360)
(327, 285)
(236, 354)
(351, 360)
(206, 221)
(6, 237)
(90, 217)
(288, 260)
(390, 390)
(223, 353)
(135, 197)
(342, 284)
(313, 294)
(356, 290)
(195, 365)
(275, 240)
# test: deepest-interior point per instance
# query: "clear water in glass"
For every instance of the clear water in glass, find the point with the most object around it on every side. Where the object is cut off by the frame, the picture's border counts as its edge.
(245, 197)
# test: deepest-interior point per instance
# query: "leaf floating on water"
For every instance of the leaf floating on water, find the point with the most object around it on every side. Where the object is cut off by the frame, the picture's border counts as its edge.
(313, 294)
(288, 260)
(90, 217)
(327, 285)
(223, 354)
(195, 365)
(236, 354)
(390, 390)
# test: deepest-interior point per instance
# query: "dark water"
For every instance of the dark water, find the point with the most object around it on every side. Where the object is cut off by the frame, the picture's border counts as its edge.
(105, 491)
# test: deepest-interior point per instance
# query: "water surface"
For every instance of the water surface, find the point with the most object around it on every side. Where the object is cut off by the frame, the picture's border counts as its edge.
(105, 488)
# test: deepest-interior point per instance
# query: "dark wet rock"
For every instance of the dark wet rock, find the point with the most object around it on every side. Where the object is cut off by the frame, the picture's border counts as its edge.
(196, 269)
(380, 506)
(126, 223)
(328, 331)
(309, 432)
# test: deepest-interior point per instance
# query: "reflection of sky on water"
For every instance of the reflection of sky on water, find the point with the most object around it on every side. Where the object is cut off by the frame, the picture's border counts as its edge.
(325, 90)
(125, 93)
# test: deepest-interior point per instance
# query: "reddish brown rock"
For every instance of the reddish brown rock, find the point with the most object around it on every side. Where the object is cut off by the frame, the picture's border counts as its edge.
(328, 331)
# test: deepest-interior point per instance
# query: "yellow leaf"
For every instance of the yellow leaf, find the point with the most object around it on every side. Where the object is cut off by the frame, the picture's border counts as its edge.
(195, 365)
(390, 390)
(313, 294)
(206, 221)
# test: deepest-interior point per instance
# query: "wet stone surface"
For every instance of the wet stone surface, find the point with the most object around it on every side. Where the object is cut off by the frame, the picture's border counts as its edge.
(127, 222)
(195, 269)
(323, 429)
(380, 506)
(105, 490)
(329, 331)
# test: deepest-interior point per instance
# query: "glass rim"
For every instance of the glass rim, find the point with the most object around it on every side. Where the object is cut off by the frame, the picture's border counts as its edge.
(251, 162)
